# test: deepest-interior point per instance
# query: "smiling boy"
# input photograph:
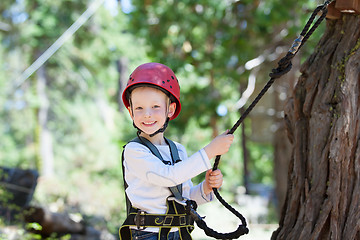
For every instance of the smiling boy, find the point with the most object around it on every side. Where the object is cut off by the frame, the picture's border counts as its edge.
(157, 171)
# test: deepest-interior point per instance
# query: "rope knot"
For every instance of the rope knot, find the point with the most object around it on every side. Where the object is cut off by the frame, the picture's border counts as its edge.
(284, 66)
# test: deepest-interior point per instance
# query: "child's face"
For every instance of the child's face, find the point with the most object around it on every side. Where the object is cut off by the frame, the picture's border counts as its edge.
(149, 108)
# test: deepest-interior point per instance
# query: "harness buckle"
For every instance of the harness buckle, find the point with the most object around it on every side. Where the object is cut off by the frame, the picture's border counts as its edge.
(195, 215)
(191, 210)
(168, 220)
(181, 202)
(140, 220)
(182, 220)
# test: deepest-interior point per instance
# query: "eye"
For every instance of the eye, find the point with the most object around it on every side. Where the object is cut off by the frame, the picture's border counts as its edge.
(156, 106)
(138, 108)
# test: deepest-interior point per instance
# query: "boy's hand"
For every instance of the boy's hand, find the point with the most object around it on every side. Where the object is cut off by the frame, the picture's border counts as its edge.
(219, 145)
(213, 179)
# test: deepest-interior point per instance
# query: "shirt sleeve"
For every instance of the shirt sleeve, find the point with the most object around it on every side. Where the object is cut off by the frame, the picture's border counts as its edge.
(198, 195)
(139, 160)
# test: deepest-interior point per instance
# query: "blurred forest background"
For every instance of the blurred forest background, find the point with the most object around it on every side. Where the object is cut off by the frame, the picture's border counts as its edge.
(66, 120)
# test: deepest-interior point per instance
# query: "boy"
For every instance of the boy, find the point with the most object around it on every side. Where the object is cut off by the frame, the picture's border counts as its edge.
(157, 171)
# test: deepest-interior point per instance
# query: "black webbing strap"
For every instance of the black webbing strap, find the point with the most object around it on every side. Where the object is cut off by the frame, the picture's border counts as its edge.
(175, 190)
(143, 219)
(128, 203)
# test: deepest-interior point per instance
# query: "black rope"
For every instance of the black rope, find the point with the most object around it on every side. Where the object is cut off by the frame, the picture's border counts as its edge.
(284, 66)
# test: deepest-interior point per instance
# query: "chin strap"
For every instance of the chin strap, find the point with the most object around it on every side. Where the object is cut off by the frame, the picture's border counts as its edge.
(138, 129)
(160, 130)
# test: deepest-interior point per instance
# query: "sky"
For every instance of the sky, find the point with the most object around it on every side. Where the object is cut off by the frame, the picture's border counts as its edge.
(126, 6)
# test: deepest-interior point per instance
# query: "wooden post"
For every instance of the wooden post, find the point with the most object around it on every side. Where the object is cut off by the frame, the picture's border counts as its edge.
(333, 13)
(348, 5)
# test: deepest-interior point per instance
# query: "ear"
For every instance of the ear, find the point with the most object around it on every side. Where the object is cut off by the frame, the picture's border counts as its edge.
(130, 112)
(172, 108)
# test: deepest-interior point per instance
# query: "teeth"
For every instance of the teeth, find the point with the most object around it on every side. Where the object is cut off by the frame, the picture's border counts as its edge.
(149, 123)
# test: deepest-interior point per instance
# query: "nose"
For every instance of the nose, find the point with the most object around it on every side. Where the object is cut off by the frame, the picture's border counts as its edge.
(147, 112)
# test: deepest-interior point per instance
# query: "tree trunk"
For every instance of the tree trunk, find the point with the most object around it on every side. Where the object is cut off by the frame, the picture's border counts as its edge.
(282, 145)
(45, 136)
(122, 67)
(282, 150)
(323, 121)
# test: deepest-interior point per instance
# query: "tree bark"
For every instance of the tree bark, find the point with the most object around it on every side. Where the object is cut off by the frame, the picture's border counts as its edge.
(323, 123)
(282, 145)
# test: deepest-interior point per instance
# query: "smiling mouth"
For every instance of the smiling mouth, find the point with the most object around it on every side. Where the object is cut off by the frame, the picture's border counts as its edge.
(149, 123)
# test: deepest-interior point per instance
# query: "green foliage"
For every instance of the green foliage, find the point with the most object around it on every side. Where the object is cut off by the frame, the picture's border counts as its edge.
(261, 163)
(214, 40)
(81, 86)
(207, 44)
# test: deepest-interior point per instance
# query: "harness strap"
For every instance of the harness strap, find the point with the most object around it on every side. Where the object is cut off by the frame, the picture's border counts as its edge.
(175, 208)
(143, 220)
(128, 203)
(176, 216)
(175, 190)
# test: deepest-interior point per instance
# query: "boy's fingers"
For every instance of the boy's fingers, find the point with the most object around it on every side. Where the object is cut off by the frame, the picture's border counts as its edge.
(216, 172)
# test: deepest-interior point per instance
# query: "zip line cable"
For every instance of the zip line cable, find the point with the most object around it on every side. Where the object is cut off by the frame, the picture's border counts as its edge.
(58, 43)
(284, 66)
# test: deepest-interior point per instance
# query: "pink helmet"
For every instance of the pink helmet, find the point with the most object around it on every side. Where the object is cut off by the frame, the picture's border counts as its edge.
(158, 75)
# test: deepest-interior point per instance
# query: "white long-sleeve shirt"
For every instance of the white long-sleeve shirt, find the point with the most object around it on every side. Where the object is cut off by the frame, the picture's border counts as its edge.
(149, 179)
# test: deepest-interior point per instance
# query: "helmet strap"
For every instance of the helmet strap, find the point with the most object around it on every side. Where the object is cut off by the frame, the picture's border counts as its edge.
(160, 130)
(138, 129)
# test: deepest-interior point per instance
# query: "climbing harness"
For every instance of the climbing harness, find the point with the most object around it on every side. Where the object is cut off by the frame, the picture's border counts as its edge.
(284, 66)
(180, 212)
(177, 215)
